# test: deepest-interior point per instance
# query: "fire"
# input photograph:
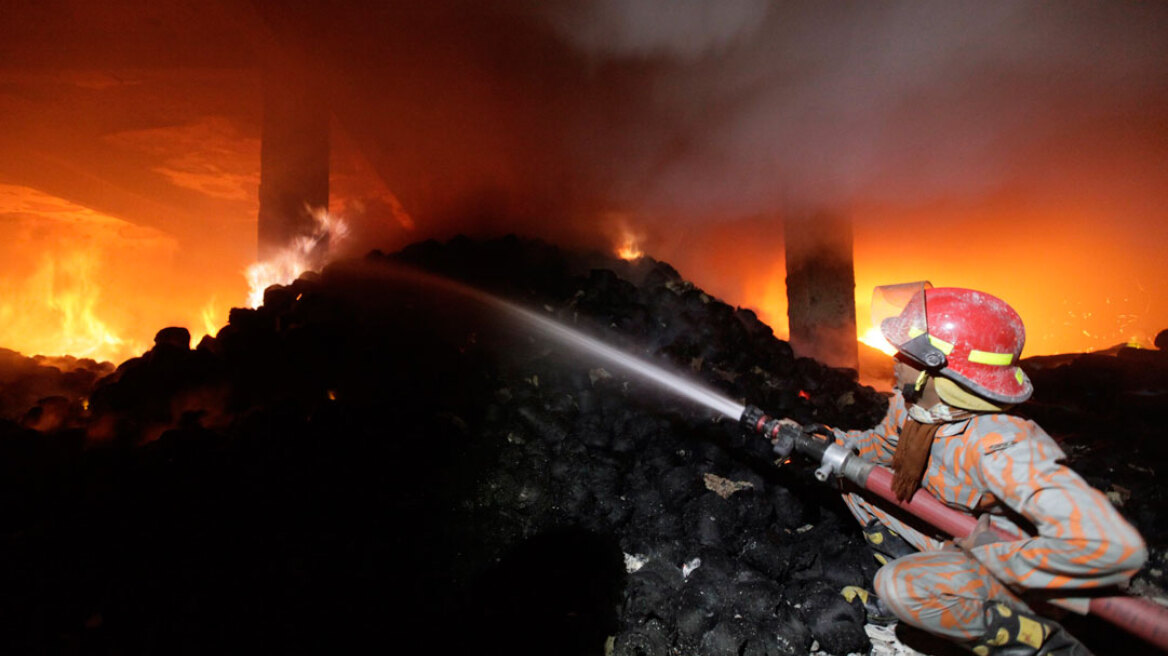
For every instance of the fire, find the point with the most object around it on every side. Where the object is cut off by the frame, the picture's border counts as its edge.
(55, 253)
(303, 255)
(628, 239)
(874, 338)
(628, 247)
(629, 251)
(83, 283)
(68, 294)
(213, 319)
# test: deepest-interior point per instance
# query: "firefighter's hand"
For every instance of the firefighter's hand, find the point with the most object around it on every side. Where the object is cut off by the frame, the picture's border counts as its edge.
(791, 423)
(786, 424)
(980, 536)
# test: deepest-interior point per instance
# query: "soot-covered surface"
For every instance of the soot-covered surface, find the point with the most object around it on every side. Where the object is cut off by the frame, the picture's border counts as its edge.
(371, 459)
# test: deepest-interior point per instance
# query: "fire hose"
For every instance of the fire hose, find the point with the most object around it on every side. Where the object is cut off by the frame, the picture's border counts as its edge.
(1137, 616)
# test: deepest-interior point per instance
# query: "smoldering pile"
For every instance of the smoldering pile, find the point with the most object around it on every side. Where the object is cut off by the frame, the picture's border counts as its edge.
(369, 460)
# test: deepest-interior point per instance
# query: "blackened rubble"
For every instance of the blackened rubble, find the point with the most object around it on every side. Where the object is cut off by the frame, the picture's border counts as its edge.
(368, 459)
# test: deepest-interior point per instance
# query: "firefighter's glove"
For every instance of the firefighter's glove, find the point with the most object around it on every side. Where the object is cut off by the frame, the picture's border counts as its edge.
(783, 439)
(981, 535)
(789, 424)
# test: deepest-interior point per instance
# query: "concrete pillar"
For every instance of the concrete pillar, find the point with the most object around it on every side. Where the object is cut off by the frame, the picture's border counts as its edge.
(821, 288)
(294, 160)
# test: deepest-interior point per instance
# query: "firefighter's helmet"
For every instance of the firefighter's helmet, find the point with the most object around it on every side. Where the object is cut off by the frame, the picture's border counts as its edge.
(967, 336)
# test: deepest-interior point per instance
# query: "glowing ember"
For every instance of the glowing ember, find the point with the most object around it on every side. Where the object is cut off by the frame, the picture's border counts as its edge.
(875, 339)
(303, 255)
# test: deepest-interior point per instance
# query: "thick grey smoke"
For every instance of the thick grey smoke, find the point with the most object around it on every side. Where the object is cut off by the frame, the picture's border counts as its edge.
(744, 107)
(684, 29)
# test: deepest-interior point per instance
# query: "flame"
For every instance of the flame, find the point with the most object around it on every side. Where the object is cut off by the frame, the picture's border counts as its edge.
(629, 251)
(69, 292)
(213, 319)
(87, 284)
(303, 255)
(627, 239)
(874, 338)
(56, 252)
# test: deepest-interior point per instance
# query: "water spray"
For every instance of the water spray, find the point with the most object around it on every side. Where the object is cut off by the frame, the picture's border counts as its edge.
(671, 381)
(582, 342)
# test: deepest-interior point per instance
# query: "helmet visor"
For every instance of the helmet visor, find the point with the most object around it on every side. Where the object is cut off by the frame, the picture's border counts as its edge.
(901, 312)
(891, 302)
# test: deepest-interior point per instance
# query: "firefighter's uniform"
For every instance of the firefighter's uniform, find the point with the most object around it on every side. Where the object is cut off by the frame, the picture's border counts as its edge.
(969, 452)
(1009, 467)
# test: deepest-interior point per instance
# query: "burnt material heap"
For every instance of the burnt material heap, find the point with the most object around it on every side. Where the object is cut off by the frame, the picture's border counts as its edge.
(368, 459)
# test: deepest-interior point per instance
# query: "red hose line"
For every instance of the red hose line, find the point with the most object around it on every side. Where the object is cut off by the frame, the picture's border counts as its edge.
(1137, 616)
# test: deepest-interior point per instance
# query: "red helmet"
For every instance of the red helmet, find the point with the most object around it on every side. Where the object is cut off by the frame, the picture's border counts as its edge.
(965, 335)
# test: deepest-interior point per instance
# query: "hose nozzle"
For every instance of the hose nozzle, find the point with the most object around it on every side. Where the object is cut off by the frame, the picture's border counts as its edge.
(781, 435)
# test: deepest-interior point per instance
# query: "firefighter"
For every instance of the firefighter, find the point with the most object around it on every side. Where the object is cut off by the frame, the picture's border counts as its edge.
(949, 430)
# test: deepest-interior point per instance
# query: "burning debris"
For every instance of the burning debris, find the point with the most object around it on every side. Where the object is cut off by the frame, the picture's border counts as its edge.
(303, 253)
(367, 455)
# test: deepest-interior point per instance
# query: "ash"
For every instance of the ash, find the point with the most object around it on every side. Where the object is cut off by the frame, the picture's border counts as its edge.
(369, 460)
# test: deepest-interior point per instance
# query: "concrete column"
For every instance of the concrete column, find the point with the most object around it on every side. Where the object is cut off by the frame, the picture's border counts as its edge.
(294, 160)
(821, 288)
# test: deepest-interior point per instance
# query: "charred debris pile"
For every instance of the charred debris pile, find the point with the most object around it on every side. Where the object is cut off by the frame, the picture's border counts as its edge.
(373, 459)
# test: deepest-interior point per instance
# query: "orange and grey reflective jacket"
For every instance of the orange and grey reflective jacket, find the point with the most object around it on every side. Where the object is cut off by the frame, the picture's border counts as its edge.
(995, 462)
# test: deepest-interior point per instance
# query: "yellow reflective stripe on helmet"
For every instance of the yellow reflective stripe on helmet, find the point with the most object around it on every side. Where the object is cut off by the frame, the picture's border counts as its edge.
(942, 345)
(991, 358)
(915, 332)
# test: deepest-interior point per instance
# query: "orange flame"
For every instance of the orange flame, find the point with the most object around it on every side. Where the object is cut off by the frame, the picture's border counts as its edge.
(55, 253)
(874, 338)
(82, 283)
(629, 251)
(67, 290)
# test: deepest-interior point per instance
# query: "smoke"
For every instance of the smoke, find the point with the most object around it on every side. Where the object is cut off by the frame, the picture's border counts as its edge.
(781, 104)
(702, 109)
(686, 30)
